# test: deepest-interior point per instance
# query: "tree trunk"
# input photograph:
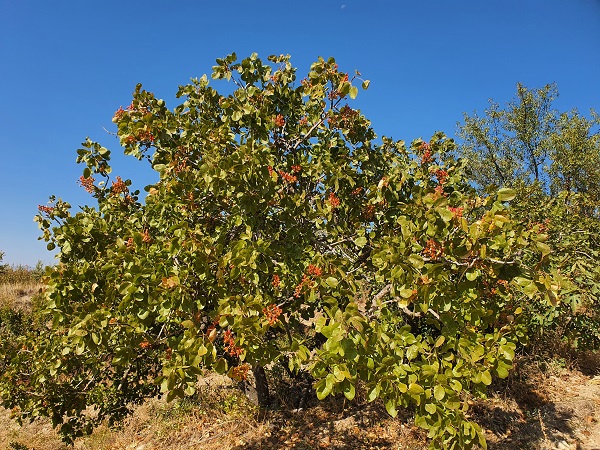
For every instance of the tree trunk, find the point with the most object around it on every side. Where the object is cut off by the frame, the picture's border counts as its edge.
(262, 386)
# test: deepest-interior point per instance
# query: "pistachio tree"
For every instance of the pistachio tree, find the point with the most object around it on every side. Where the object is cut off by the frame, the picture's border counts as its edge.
(281, 231)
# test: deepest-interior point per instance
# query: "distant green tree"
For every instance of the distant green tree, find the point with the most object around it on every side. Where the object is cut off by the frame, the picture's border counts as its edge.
(552, 159)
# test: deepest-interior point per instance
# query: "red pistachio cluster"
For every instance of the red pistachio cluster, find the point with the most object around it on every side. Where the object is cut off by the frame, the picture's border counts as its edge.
(45, 209)
(230, 346)
(441, 175)
(279, 120)
(179, 163)
(305, 281)
(87, 183)
(426, 157)
(288, 177)
(146, 238)
(543, 226)
(344, 118)
(119, 114)
(333, 200)
(145, 136)
(211, 330)
(240, 373)
(314, 270)
(139, 109)
(456, 212)
(503, 283)
(311, 271)
(272, 312)
(433, 249)
(118, 187)
(276, 281)
(369, 212)
(305, 82)
(333, 94)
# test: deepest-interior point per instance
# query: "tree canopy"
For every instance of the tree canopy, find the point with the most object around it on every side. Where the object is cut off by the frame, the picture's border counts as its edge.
(282, 231)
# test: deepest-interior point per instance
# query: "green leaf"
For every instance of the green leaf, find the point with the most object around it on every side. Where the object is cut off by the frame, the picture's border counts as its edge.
(415, 389)
(390, 407)
(373, 393)
(486, 377)
(502, 370)
(506, 194)
(349, 390)
(416, 261)
(544, 248)
(365, 84)
(338, 374)
(406, 293)
(220, 366)
(440, 340)
(439, 392)
(530, 290)
(361, 241)
(332, 282)
(236, 115)
(430, 408)
(455, 385)
(353, 92)
(445, 213)
(507, 351)
(322, 388)
(412, 352)
(472, 274)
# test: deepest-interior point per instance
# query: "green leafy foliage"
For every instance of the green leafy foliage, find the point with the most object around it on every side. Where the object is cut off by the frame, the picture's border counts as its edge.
(280, 231)
(550, 161)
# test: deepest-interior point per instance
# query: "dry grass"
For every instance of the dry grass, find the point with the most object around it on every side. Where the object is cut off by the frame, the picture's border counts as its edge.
(17, 286)
(18, 295)
(541, 406)
(221, 417)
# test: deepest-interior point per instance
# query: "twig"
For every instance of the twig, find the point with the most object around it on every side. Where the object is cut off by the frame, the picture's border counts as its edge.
(109, 132)
(309, 132)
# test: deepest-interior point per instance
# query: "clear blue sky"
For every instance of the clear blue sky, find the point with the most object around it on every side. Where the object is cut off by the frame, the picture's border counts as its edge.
(66, 66)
